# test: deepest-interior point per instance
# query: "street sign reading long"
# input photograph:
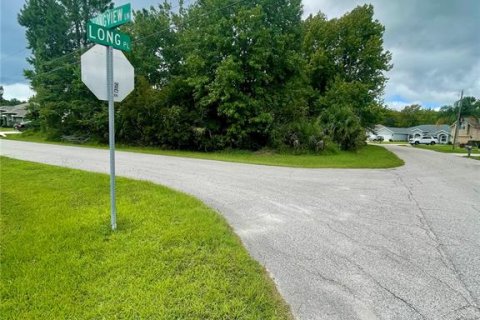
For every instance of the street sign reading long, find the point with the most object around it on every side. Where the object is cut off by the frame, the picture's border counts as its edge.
(99, 34)
(114, 17)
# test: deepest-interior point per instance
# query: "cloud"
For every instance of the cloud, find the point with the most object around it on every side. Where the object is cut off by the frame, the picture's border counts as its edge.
(434, 45)
(13, 44)
(19, 91)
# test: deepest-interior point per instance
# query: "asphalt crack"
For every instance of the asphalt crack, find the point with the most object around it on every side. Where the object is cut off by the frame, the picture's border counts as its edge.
(446, 260)
(399, 259)
(379, 284)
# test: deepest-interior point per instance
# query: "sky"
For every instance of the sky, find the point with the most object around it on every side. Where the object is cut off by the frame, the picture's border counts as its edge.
(435, 45)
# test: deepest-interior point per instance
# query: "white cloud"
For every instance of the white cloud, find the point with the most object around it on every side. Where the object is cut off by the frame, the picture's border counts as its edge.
(20, 91)
(434, 45)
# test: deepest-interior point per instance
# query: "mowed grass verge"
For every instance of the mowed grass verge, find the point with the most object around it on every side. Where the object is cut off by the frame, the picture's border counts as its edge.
(445, 148)
(172, 257)
(367, 157)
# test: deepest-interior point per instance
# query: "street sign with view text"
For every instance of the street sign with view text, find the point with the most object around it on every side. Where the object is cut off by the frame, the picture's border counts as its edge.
(108, 37)
(114, 17)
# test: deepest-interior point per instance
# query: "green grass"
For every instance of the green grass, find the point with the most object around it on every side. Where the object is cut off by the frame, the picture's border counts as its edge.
(6, 129)
(445, 148)
(473, 157)
(368, 157)
(171, 257)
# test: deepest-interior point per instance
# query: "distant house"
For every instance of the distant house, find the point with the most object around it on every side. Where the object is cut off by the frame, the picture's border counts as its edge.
(391, 133)
(11, 115)
(441, 132)
(469, 130)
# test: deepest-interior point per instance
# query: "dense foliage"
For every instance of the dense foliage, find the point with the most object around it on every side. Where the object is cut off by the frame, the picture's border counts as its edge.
(415, 115)
(218, 74)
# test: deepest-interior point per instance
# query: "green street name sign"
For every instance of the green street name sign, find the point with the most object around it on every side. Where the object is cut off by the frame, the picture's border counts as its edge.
(114, 17)
(101, 35)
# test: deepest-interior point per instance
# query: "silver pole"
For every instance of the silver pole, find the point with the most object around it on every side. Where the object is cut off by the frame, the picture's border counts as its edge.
(111, 135)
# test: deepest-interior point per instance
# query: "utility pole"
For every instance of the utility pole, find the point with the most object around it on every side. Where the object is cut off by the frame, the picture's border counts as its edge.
(458, 121)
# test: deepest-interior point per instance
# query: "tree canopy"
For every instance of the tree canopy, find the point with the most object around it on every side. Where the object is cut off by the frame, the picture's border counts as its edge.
(217, 74)
(414, 115)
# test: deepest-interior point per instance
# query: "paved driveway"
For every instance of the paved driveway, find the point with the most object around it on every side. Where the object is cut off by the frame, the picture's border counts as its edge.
(340, 244)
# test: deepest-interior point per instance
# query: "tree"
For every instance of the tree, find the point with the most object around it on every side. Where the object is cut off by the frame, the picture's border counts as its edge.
(55, 31)
(240, 58)
(344, 106)
(345, 65)
(415, 115)
(157, 55)
(390, 117)
(470, 107)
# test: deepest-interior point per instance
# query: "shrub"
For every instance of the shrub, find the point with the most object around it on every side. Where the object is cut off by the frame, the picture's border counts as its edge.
(302, 136)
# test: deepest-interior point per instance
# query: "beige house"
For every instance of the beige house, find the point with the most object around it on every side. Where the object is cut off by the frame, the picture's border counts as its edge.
(469, 130)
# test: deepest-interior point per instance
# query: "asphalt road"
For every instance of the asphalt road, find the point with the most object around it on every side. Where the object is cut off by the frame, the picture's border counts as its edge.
(398, 243)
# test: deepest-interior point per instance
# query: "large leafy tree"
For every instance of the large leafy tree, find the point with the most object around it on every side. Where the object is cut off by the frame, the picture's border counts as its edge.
(346, 63)
(241, 58)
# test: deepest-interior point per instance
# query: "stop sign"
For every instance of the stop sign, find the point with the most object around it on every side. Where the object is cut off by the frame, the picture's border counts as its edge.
(94, 73)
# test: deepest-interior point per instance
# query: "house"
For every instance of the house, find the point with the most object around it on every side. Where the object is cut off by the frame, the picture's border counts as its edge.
(469, 130)
(391, 133)
(441, 132)
(11, 115)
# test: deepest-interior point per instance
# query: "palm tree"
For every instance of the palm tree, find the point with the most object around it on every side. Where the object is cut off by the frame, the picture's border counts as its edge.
(470, 107)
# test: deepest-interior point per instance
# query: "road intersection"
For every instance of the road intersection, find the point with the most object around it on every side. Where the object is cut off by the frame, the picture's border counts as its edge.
(399, 243)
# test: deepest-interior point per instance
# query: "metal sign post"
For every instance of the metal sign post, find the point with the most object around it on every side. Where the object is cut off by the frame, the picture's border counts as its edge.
(111, 136)
(98, 75)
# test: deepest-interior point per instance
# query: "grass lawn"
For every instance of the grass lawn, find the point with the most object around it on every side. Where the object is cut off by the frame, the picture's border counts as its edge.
(368, 157)
(171, 257)
(445, 148)
(6, 129)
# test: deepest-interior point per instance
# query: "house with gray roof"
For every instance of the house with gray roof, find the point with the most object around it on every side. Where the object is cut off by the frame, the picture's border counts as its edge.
(11, 115)
(441, 132)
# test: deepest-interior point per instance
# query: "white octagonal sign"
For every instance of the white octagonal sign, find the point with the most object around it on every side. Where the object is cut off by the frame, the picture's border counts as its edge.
(94, 73)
